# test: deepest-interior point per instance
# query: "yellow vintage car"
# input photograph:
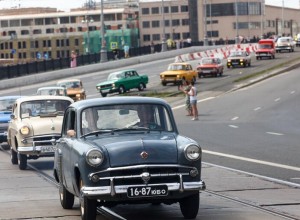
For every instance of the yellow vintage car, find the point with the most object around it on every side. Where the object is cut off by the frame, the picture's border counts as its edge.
(178, 72)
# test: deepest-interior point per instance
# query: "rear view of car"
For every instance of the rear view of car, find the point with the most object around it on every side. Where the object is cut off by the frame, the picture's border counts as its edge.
(285, 44)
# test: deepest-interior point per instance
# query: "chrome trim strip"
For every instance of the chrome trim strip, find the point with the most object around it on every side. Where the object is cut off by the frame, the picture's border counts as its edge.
(35, 150)
(113, 190)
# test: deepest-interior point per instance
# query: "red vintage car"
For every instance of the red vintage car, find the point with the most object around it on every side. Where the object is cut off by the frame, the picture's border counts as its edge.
(210, 66)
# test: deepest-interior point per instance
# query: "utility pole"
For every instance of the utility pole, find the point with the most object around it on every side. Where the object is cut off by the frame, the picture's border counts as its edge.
(236, 23)
(163, 43)
(205, 40)
(103, 51)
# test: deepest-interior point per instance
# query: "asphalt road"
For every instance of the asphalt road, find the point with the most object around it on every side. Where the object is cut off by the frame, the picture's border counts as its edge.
(253, 129)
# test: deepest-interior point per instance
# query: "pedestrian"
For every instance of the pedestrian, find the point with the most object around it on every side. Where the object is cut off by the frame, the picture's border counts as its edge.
(152, 47)
(193, 100)
(126, 50)
(73, 62)
(185, 87)
(177, 44)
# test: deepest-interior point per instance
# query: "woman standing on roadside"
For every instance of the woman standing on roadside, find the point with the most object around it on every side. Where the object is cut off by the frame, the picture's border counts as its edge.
(185, 87)
(193, 100)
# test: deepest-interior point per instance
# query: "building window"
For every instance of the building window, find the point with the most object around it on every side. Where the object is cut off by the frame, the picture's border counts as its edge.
(254, 8)
(39, 21)
(24, 32)
(14, 23)
(19, 45)
(174, 9)
(176, 36)
(175, 22)
(167, 23)
(49, 43)
(49, 30)
(185, 22)
(57, 43)
(156, 37)
(185, 35)
(145, 11)
(155, 10)
(36, 43)
(146, 24)
(166, 9)
(4, 23)
(146, 37)
(155, 24)
(24, 44)
(76, 42)
(212, 33)
(37, 31)
(184, 8)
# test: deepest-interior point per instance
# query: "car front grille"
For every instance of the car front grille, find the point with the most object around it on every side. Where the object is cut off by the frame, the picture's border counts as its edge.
(133, 175)
(106, 86)
(42, 140)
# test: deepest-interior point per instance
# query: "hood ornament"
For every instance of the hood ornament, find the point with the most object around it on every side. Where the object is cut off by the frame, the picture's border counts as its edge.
(145, 177)
(144, 155)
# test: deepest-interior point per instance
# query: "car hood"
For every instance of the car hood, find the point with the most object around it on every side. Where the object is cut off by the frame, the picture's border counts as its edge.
(207, 66)
(131, 149)
(5, 116)
(106, 82)
(44, 125)
(172, 72)
(264, 49)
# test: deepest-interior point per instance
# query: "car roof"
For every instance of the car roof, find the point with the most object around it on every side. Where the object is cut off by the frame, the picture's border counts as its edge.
(51, 87)
(179, 64)
(44, 97)
(68, 80)
(122, 71)
(117, 100)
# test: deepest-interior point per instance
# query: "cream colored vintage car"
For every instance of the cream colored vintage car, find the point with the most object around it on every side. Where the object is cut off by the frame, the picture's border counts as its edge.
(74, 88)
(35, 124)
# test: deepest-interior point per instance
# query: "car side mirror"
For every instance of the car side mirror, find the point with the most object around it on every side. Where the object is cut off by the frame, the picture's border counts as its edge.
(12, 116)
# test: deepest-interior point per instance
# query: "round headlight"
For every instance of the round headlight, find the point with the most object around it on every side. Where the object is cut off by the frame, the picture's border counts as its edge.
(192, 152)
(94, 157)
(24, 130)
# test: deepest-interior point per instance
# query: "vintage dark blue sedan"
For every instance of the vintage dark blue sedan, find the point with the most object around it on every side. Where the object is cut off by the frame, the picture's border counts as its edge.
(126, 150)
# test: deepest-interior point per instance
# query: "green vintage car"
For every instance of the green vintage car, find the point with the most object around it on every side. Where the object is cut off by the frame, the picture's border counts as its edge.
(122, 81)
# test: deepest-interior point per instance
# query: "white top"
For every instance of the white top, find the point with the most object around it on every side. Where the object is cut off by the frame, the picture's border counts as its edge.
(193, 93)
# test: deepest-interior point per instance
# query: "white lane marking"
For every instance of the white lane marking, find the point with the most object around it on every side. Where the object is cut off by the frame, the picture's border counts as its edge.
(233, 126)
(274, 133)
(295, 178)
(292, 92)
(234, 118)
(276, 100)
(258, 108)
(202, 100)
(253, 160)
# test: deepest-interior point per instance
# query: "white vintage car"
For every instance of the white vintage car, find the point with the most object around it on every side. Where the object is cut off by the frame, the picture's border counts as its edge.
(35, 123)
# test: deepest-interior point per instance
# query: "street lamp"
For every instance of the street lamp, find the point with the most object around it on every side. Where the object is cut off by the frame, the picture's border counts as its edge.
(236, 23)
(163, 43)
(87, 21)
(205, 40)
(103, 51)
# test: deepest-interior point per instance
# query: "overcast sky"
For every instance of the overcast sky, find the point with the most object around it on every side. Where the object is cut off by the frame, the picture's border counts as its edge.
(65, 5)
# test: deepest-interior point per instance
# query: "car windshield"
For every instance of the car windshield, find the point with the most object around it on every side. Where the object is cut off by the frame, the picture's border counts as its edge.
(70, 84)
(117, 118)
(6, 104)
(43, 108)
(237, 54)
(114, 76)
(176, 67)
(208, 61)
(51, 91)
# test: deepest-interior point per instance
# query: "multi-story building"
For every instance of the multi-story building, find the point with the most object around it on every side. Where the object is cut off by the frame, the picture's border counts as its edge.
(213, 19)
(42, 33)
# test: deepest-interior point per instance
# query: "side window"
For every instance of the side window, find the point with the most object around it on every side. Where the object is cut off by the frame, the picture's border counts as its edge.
(69, 121)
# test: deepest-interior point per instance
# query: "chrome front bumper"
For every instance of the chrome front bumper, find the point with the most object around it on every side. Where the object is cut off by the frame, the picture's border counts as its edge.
(37, 150)
(113, 190)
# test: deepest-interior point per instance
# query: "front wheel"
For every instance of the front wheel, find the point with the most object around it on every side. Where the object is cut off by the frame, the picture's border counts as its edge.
(141, 87)
(88, 207)
(189, 206)
(22, 161)
(121, 90)
(103, 94)
(13, 156)
(66, 198)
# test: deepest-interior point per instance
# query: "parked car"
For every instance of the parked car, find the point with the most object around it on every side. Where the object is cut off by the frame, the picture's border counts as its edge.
(122, 81)
(6, 103)
(285, 44)
(266, 48)
(238, 58)
(124, 150)
(297, 40)
(74, 88)
(52, 90)
(177, 72)
(210, 66)
(35, 122)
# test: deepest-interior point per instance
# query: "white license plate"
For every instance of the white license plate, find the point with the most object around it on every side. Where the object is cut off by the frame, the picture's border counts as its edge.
(206, 71)
(147, 191)
(104, 90)
(47, 149)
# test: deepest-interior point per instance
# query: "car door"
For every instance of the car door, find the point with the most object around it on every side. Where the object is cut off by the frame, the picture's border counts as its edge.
(130, 80)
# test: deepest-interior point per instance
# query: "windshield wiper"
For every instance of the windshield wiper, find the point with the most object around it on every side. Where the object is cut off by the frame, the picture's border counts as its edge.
(96, 132)
(131, 129)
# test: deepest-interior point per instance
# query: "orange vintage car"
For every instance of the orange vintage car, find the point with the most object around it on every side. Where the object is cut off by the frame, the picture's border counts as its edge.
(210, 66)
(178, 72)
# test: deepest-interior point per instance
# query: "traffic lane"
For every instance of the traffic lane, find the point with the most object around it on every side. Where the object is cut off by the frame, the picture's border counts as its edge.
(153, 69)
(42, 199)
(232, 124)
